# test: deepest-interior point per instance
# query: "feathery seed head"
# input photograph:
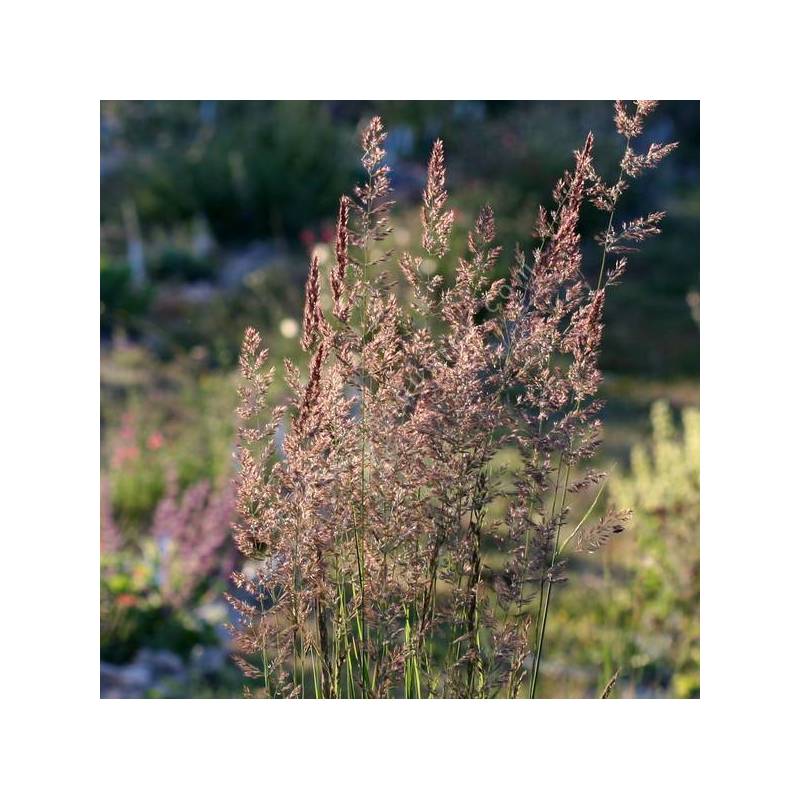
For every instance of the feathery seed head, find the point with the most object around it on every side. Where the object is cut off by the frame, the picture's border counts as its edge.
(338, 275)
(312, 314)
(372, 139)
(436, 221)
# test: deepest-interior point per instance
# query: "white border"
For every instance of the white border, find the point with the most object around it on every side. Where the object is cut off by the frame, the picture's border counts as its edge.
(59, 60)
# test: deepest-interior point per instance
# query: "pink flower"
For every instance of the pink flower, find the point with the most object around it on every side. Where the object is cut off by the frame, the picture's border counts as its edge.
(124, 454)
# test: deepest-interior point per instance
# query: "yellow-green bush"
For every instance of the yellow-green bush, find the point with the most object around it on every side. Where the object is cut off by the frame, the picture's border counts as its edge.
(663, 488)
(635, 605)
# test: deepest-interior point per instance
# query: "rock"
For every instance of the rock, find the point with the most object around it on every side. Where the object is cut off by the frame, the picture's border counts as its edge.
(207, 661)
(130, 680)
(143, 676)
(160, 662)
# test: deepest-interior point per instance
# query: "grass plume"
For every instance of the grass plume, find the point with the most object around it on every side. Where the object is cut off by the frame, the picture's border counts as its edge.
(377, 565)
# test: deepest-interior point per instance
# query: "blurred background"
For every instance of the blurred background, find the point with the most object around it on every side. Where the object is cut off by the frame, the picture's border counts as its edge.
(209, 213)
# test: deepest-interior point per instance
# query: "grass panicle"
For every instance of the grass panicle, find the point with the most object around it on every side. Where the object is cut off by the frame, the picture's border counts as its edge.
(389, 550)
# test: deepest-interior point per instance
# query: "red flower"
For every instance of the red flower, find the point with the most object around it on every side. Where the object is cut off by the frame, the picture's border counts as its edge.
(126, 600)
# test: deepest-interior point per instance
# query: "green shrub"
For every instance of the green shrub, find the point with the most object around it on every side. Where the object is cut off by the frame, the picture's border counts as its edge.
(253, 169)
(663, 486)
(181, 266)
(121, 303)
(133, 613)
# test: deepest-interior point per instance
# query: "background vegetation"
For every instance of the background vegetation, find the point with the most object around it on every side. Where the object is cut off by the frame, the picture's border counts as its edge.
(209, 212)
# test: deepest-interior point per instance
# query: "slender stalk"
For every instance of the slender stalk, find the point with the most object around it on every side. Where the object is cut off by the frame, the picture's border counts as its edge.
(611, 220)
(475, 576)
(264, 653)
(325, 667)
(543, 578)
(364, 633)
(556, 549)
(317, 690)
(543, 625)
(583, 519)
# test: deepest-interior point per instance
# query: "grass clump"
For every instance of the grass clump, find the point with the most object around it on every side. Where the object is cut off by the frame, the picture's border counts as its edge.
(376, 564)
